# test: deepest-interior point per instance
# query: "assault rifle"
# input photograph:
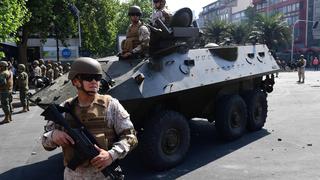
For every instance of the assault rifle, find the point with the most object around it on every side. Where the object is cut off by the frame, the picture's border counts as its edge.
(84, 141)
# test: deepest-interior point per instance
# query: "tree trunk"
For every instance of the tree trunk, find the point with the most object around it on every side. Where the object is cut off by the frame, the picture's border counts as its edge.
(23, 46)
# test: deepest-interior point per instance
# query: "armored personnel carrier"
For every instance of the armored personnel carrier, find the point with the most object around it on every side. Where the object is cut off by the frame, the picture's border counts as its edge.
(228, 86)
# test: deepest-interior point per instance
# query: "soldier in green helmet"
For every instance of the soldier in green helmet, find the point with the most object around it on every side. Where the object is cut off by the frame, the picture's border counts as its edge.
(137, 37)
(6, 82)
(104, 117)
(23, 86)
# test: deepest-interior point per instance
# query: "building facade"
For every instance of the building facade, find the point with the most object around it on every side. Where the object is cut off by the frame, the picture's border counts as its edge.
(228, 10)
(301, 16)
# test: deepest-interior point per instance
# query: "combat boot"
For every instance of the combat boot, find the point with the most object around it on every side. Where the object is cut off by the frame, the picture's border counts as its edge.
(10, 117)
(6, 119)
(25, 109)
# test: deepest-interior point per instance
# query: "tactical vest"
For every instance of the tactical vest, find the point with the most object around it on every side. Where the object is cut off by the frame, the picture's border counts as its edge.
(94, 119)
(132, 39)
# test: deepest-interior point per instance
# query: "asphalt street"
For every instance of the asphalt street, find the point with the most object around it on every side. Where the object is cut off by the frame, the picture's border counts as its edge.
(286, 148)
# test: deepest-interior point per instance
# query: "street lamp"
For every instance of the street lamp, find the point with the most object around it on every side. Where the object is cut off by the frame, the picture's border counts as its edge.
(76, 13)
(300, 20)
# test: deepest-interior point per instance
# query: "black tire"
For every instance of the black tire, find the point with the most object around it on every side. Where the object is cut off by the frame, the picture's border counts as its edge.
(165, 140)
(257, 107)
(231, 117)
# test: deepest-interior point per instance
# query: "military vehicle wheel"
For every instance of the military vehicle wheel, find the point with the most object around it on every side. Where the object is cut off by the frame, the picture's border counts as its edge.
(257, 107)
(231, 117)
(165, 140)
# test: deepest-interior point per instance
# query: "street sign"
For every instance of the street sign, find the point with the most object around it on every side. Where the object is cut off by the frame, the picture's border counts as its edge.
(66, 53)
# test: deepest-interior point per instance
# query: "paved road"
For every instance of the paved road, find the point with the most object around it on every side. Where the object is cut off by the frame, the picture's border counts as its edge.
(287, 148)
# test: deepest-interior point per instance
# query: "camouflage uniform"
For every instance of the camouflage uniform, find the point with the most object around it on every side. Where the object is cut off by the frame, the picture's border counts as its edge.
(22, 85)
(105, 118)
(36, 69)
(10, 86)
(43, 68)
(50, 73)
(161, 13)
(6, 82)
(56, 70)
(137, 37)
(301, 69)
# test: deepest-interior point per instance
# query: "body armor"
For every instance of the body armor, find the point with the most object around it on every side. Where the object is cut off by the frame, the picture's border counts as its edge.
(94, 119)
(132, 40)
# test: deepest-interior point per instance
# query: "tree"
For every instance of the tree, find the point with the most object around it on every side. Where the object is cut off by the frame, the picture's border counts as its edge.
(239, 33)
(273, 31)
(216, 31)
(45, 17)
(13, 13)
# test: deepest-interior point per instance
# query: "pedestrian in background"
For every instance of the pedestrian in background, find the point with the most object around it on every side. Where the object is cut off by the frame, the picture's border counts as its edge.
(315, 63)
(23, 86)
(301, 64)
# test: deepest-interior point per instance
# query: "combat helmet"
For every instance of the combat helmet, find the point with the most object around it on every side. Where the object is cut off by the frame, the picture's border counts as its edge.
(3, 64)
(41, 61)
(84, 65)
(162, 3)
(21, 67)
(35, 62)
(134, 10)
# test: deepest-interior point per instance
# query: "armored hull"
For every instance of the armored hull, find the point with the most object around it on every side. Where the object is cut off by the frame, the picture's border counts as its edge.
(226, 85)
(162, 93)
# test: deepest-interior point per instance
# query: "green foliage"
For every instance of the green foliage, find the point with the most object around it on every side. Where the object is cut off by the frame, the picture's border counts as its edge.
(239, 33)
(13, 14)
(216, 31)
(272, 31)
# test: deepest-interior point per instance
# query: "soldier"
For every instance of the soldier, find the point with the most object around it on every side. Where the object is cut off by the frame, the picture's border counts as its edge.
(43, 68)
(60, 68)
(36, 69)
(160, 12)
(22, 85)
(56, 70)
(103, 116)
(6, 82)
(301, 68)
(10, 85)
(138, 36)
(66, 68)
(50, 73)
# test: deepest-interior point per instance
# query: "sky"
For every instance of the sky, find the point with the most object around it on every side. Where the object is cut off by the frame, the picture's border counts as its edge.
(194, 5)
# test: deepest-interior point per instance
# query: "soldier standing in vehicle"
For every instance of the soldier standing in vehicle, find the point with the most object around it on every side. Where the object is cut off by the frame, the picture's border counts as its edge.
(23, 86)
(5, 83)
(138, 36)
(301, 68)
(161, 12)
(103, 116)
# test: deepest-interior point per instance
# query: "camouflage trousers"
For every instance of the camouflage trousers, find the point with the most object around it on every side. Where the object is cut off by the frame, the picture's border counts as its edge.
(24, 98)
(5, 102)
(87, 173)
